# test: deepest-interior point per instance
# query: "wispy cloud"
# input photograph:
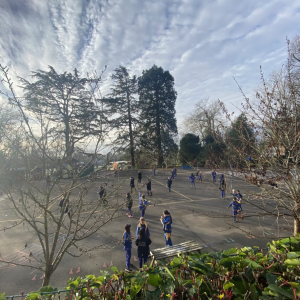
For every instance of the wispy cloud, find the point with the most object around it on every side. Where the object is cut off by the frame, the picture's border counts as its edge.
(202, 43)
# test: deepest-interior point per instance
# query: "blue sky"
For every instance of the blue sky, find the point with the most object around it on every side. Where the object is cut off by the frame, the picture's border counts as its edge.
(203, 43)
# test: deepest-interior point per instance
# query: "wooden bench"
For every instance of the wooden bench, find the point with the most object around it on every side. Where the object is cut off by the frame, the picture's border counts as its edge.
(167, 252)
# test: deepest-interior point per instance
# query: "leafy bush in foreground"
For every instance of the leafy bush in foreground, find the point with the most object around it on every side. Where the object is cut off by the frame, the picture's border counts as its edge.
(245, 273)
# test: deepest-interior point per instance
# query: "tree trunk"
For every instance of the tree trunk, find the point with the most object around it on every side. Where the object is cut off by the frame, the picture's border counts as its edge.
(47, 278)
(297, 224)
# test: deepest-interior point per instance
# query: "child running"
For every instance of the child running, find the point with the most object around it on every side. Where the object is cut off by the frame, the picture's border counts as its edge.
(192, 179)
(235, 207)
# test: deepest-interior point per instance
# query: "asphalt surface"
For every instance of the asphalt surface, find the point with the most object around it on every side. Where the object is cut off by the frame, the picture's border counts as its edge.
(198, 214)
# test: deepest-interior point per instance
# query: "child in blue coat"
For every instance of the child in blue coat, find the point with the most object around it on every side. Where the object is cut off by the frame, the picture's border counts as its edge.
(235, 208)
(192, 179)
(166, 220)
(143, 203)
(127, 242)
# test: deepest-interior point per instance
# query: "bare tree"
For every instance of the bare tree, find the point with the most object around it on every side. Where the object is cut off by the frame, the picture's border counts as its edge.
(57, 211)
(273, 153)
(206, 117)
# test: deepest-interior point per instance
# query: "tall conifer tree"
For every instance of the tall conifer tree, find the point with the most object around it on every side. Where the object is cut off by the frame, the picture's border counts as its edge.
(157, 100)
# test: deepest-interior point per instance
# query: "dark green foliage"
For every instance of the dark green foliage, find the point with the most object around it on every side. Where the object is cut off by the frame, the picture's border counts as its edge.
(123, 106)
(157, 102)
(189, 148)
(241, 135)
(246, 273)
(213, 150)
(67, 101)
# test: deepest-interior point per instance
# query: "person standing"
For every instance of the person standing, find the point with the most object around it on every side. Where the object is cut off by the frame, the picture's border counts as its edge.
(129, 204)
(143, 250)
(169, 184)
(139, 177)
(222, 179)
(143, 203)
(142, 224)
(200, 176)
(214, 175)
(192, 179)
(132, 183)
(153, 171)
(102, 192)
(166, 221)
(127, 242)
(149, 188)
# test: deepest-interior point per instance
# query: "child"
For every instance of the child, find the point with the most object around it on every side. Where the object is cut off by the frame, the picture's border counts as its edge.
(235, 207)
(222, 189)
(200, 176)
(192, 179)
(142, 224)
(214, 175)
(169, 184)
(143, 249)
(129, 204)
(143, 203)
(166, 221)
(127, 242)
(139, 177)
(149, 188)
(132, 183)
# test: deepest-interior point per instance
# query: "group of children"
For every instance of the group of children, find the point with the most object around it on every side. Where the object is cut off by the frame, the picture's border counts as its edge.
(143, 240)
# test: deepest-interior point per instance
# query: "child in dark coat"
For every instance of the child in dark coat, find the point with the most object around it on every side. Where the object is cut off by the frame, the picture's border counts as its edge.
(143, 249)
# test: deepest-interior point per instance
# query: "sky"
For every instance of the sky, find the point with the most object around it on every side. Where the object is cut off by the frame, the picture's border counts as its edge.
(202, 43)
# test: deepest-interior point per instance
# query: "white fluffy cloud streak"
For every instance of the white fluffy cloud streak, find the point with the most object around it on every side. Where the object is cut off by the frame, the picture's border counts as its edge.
(202, 43)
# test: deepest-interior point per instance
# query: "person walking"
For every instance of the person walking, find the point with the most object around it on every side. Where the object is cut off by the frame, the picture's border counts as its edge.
(132, 183)
(199, 175)
(153, 171)
(192, 179)
(139, 177)
(143, 203)
(127, 242)
(129, 203)
(149, 188)
(166, 221)
(142, 224)
(48, 182)
(143, 250)
(235, 207)
(169, 184)
(214, 175)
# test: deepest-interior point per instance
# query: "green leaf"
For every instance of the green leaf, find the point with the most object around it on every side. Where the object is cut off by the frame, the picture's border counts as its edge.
(154, 279)
(45, 289)
(291, 255)
(128, 297)
(2, 296)
(33, 296)
(252, 264)
(271, 278)
(227, 285)
(168, 271)
(114, 269)
(292, 262)
(278, 290)
(74, 283)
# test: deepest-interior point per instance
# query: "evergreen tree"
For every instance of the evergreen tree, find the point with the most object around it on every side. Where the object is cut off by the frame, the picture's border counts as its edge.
(157, 100)
(189, 148)
(122, 104)
(67, 101)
